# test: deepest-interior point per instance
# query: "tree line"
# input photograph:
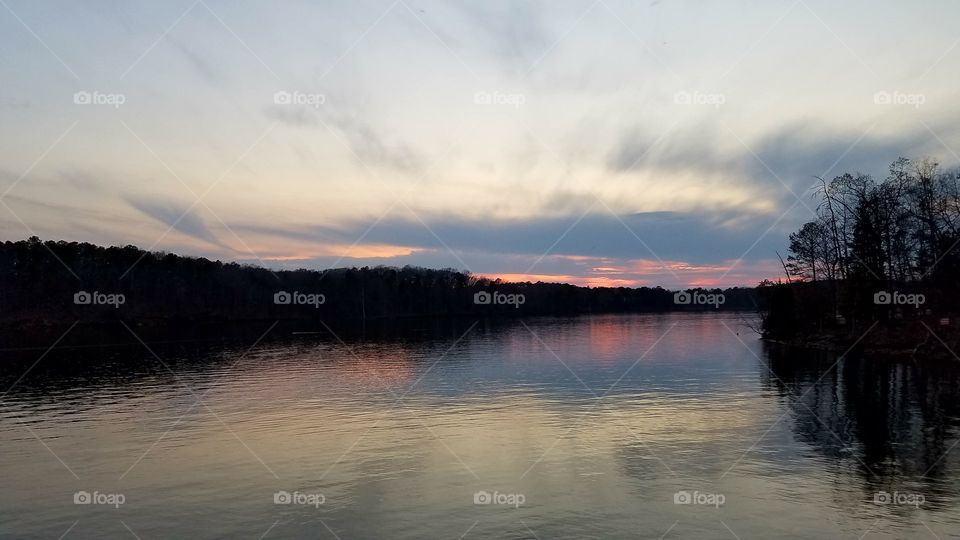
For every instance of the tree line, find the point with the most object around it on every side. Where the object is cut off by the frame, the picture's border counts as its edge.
(878, 250)
(40, 282)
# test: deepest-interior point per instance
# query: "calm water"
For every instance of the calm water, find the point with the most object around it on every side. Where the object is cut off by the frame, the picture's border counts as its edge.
(595, 424)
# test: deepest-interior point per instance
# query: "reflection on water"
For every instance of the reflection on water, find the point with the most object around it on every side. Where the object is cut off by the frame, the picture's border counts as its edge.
(597, 424)
(892, 424)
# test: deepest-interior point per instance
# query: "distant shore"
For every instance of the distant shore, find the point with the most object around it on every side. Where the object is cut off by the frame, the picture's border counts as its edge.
(47, 282)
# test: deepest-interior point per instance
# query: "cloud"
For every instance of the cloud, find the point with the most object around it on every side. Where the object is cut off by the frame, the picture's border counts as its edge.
(371, 148)
(805, 150)
(509, 181)
(7, 178)
(292, 115)
(692, 237)
(364, 140)
(16, 103)
(638, 148)
(514, 32)
(83, 179)
(201, 65)
(177, 216)
(793, 154)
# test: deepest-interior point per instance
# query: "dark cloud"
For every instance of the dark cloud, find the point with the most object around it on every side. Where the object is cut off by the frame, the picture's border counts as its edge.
(679, 236)
(305, 234)
(793, 155)
(639, 148)
(802, 151)
(177, 216)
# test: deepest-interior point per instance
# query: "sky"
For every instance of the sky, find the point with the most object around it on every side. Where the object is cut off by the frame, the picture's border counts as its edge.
(596, 142)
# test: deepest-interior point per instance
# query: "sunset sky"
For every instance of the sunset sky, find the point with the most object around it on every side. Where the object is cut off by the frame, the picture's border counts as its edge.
(664, 142)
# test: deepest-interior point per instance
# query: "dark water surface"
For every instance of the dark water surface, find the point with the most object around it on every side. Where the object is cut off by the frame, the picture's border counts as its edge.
(590, 427)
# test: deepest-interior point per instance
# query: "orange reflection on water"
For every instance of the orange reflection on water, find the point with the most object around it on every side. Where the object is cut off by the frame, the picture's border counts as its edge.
(609, 339)
(379, 367)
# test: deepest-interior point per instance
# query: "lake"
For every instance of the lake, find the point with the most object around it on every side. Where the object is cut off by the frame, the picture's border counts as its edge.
(677, 425)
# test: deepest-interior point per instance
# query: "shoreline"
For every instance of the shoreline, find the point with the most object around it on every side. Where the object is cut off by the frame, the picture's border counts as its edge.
(927, 346)
(38, 335)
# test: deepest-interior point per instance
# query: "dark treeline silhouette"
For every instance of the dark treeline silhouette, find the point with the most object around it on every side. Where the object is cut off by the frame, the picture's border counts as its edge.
(878, 251)
(36, 287)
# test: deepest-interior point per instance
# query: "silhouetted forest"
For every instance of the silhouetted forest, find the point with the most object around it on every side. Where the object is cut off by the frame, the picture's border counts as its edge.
(878, 251)
(128, 283)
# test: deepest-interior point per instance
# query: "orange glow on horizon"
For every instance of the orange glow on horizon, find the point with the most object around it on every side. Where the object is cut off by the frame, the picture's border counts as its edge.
(533, 278)
(651, 272)
(604, 281)
(582, 281)
(360, 251)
